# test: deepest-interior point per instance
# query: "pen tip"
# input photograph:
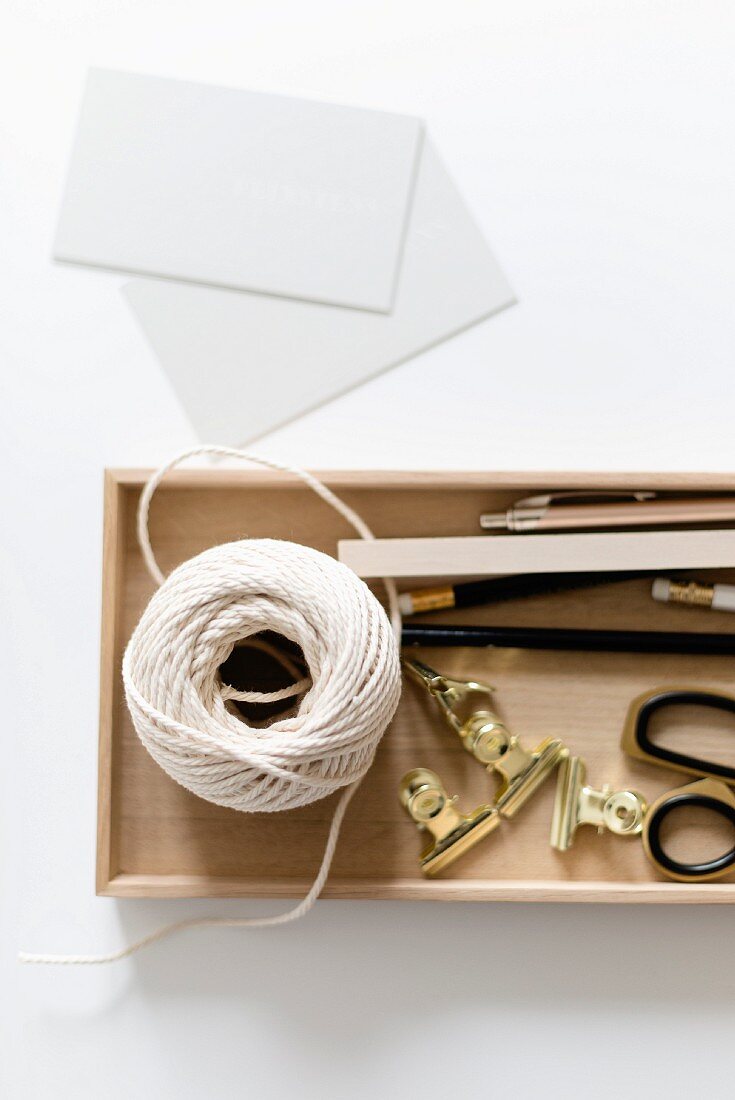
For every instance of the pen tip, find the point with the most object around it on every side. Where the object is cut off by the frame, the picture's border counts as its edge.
(493, 521)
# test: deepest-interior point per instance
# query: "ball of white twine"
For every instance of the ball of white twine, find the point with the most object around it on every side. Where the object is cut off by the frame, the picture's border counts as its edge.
(179, 704)
(229, 594)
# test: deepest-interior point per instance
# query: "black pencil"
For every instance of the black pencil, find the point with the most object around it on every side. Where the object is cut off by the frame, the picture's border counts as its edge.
(597, 641)
(496, 589)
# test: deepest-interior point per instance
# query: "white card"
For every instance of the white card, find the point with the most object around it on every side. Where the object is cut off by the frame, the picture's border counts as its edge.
(239, 189)
(243, 364)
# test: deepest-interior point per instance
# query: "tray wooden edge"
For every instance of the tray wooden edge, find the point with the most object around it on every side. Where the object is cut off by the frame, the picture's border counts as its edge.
(110, 683)
(224, 477)
(616, 893)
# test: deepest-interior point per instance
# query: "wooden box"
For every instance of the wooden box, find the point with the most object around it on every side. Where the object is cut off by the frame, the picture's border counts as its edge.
(155, 839)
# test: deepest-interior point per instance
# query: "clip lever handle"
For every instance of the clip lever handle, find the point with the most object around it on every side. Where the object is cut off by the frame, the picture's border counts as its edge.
(425, 799)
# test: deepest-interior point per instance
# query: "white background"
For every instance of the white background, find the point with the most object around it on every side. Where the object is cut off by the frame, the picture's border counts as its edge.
(594, 141)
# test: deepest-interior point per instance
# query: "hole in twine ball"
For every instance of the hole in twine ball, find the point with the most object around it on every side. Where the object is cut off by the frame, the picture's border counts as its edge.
(229, 595)
(267, 665)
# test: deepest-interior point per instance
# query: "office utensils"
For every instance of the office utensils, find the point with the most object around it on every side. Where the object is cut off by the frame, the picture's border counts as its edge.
(480, 556)
(424, 797)
(707, 794)
(465, 707)
(720, 597)
(637, 742)
(497, 589)
(576, 803)
(711, 792)
(563, 638)
(586, 511)
(584, 699)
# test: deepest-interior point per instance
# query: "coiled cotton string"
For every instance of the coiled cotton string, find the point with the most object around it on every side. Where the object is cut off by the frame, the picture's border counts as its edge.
(178, 702)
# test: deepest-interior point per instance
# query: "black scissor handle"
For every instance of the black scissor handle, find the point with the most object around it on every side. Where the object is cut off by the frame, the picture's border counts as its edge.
(709, 794)
(637, 742)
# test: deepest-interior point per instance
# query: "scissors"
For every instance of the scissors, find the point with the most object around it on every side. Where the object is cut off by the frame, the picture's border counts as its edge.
(713, 791)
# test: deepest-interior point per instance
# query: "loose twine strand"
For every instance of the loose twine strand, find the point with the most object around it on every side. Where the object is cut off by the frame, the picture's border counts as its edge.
(178, 702)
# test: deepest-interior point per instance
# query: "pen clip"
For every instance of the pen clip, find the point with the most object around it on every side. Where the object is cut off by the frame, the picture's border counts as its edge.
(582, 496)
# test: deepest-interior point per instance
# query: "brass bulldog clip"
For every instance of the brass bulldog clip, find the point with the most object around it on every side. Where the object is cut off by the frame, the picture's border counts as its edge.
(465, 707)
(425, 799)
(576, 803)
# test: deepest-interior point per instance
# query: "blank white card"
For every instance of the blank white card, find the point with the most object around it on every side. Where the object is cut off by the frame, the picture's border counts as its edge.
(242, 364)
(239, 189)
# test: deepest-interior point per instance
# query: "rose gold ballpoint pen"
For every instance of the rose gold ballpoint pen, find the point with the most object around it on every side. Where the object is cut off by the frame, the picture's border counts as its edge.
(584, 510)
